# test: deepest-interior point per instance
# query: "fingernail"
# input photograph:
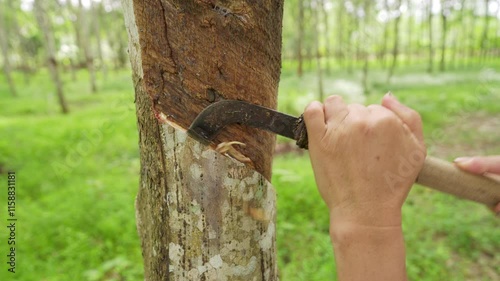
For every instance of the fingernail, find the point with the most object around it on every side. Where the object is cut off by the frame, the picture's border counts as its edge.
(462, 160)
(390, 94)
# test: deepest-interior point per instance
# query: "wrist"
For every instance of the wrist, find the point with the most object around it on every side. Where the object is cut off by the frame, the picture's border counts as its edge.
(347, 233)
(369, 252)
(375, 217)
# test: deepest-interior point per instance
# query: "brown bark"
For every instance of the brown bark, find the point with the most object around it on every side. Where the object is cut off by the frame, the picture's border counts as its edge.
(50, 50)
(233, 54)
(201, 215)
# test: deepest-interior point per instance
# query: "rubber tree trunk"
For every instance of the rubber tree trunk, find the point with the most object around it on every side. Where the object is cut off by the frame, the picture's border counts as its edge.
(409, 50)
(98, 15)
(326, 34)
(340, 34)
(385, 42)
(84, 27)
(395, 47)
(366, 47)
(445, 9)
(317, 46)
(50, 50)
(486, 28)
(4, 46)
(202, 215)
(430, 66)
(300, 39)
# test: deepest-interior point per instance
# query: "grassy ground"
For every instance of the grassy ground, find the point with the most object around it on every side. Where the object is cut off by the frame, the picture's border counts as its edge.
(78, 176)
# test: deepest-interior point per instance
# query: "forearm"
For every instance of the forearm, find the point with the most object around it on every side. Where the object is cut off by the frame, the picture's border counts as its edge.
(368, 253)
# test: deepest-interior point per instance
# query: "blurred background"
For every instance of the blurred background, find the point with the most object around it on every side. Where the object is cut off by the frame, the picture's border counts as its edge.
(68, 129)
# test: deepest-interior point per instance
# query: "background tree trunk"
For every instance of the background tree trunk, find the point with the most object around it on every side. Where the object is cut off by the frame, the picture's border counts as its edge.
(366, 47)
(97, 10)
(409, 50)
(385, 42)
(50, 50)
(201, 215)
(395, 47)
(445, 10)
(84, 27)
(4, 46)
(430, 66)
(472, 35)
(486, 28)
(319, 68)
(326, 34)
(300, 39)
(340, 34)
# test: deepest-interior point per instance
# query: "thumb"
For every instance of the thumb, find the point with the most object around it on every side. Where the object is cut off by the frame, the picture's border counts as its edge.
(479, 165)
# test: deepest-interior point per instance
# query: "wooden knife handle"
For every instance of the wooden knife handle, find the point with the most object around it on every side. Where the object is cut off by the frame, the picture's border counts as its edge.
(444, 176)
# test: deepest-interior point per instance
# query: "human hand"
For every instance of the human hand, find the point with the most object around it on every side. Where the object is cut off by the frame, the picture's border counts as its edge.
(482, 165)
(365, 159)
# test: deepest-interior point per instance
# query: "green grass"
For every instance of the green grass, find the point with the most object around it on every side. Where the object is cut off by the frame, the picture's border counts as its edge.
(78, 176)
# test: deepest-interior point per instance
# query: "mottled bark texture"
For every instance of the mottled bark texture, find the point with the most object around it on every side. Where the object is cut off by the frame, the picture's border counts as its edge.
(202, 215)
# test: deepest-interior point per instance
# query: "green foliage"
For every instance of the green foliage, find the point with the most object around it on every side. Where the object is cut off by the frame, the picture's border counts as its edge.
(77, 180)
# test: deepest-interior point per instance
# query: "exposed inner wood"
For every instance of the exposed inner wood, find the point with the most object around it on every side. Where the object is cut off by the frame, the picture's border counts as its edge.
(198, 52)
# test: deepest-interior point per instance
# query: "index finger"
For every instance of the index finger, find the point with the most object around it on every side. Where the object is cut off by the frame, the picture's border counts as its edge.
(409, 116)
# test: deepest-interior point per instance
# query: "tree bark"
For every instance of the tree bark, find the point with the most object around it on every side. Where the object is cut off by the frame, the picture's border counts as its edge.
(300, 39)
(340, 33)
(319, 68)
(4, 46)
(326, 26)
(484, 37)
(472, 35)
(97, 9)
(445, 10)
(395, 48)
(385, 43)
(430, 66)
(50, 50)
(202, 215)
(409, 50)
(366, 47)
(84, 27)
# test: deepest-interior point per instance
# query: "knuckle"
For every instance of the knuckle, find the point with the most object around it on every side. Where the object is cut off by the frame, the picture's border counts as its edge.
(312, 110)
(359, 124)
(414, 116)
